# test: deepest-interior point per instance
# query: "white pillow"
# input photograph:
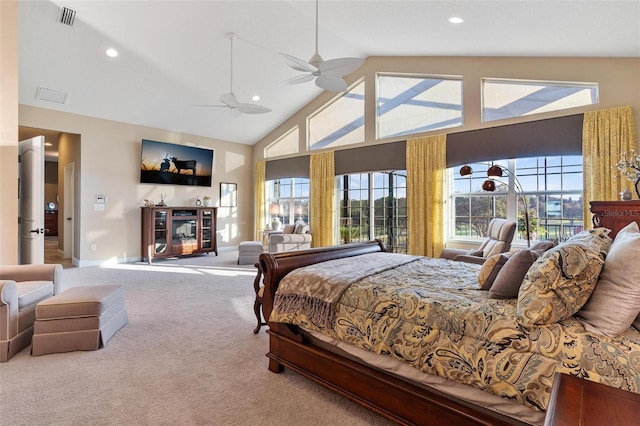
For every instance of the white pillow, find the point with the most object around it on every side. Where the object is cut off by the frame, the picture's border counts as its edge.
(301, 228)
(615, 302)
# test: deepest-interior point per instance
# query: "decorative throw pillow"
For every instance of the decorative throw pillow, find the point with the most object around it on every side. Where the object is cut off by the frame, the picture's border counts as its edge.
(489, 270)
(300, 228)
(509, 278)
(558, 284)
(615, 302)
(543, 245)
(508, 284)
(597, 238)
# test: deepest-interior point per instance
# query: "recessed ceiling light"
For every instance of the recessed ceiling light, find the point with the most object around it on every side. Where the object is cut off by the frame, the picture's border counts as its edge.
(48, 144)
(456, 20)
(112, 53)
(256, 98)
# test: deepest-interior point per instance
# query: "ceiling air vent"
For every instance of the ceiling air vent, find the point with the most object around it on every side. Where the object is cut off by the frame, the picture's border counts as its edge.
(51, 95)
(67, 16)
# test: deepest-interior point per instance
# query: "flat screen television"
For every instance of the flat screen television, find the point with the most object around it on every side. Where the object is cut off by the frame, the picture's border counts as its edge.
(172, 164)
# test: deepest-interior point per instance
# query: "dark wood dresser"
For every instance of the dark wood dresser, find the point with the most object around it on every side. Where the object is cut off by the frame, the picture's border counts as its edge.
(50, 222)
(580, 402)
(615, 215)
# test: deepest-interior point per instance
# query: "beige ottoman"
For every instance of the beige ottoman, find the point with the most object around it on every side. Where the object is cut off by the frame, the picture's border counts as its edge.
(249, 252)
(78, 319)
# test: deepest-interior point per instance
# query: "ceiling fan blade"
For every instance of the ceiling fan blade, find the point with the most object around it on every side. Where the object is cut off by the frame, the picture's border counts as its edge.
(210, 105)
(233, 113)
(298, 79)
(229, 99)
(252, 109)
(332, 84)
(298, 64)
(340, 67)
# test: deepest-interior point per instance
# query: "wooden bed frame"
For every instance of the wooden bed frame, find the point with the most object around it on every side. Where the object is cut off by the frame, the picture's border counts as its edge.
(393, 397)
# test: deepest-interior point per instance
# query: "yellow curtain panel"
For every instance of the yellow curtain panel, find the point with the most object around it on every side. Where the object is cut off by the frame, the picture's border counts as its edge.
(259, 181)
(606, 134)
(426, 163)
(321, 202)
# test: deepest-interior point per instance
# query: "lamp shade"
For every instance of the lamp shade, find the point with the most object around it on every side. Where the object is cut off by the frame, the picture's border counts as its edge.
(465, 170)
(494, 171)
(489, 185)
(274, 209)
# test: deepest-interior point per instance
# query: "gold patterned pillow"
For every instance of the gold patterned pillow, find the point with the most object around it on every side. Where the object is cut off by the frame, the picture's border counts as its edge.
(597, 238)
(489, 270)
(558, 284)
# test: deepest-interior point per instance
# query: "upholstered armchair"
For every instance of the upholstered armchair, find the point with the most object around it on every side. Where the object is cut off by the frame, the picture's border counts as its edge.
(22, 287)
(500, 234)
(289, 239)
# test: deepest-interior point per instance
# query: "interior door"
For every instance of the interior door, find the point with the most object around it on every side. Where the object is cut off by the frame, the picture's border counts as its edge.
(31, 201)
(68, 210)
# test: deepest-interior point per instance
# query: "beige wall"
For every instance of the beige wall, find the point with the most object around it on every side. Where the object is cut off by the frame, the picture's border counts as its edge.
(109, 165)
(619, 80)
(8, 132)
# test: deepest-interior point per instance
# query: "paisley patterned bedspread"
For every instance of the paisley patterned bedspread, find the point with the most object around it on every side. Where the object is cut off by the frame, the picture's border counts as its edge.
(431, 314)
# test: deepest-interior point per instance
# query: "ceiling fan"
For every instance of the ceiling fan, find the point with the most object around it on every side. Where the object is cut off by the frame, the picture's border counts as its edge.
(230, 100)
(327, 74)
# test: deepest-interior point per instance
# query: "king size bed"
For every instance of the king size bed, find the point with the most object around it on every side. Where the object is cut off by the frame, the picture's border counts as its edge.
(416, 340)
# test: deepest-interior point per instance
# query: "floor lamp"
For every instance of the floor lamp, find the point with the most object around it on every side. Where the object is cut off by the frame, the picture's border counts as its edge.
(494, 173)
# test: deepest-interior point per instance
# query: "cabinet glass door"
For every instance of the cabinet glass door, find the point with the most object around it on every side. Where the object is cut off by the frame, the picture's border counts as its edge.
(160, 229)
(207, 221)
(184, 232)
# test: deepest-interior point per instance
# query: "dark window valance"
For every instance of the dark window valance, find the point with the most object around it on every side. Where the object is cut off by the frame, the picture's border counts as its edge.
(553, 136)
(388, 156)
(287, 168)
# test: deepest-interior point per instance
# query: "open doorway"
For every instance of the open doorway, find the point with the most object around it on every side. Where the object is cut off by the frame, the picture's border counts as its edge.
(61, 155)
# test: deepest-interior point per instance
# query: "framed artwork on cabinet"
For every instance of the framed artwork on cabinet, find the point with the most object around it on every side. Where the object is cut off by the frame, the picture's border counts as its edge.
(228, 194)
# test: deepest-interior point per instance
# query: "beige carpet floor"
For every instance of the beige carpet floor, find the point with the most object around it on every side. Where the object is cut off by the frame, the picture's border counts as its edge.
(187, 357)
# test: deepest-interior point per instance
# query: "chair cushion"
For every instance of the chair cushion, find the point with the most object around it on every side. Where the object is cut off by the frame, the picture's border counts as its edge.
(494, 247)
(32, 292)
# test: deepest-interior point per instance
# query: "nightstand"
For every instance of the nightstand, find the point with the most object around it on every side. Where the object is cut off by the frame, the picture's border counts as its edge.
(576, 401)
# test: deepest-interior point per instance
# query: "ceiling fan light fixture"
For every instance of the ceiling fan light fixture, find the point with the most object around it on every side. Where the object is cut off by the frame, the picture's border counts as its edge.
(329, 74)
(230, 100)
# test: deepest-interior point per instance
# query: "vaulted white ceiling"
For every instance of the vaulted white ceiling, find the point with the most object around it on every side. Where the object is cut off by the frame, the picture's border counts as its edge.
(174, 54)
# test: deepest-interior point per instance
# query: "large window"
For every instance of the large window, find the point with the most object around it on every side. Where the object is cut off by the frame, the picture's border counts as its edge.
(409, 104)
(287, 144)
(374, 206)
(551, 191)
(340, 123)
(503, 98)
(288, 199)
